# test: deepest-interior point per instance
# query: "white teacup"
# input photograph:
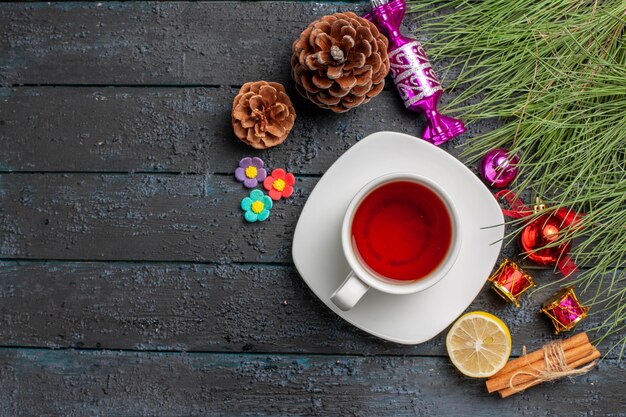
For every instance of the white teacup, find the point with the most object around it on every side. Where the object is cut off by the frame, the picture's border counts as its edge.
(362, 277)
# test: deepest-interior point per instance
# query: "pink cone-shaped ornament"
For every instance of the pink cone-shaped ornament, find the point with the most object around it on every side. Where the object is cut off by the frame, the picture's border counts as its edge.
(412, 73)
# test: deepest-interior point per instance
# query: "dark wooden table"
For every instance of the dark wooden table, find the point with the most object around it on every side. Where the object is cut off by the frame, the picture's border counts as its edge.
(130, 284)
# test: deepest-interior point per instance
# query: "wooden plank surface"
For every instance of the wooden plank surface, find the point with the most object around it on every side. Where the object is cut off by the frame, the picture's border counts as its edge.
(142, 217)
(78, 383)
(171, 130)
(191, 307)
(164, 129)
(120, 230)
(211, 43)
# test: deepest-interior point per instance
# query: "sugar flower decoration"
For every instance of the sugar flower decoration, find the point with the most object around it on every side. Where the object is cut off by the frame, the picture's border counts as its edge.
(279, 184)
(257, 206)
(250, 171)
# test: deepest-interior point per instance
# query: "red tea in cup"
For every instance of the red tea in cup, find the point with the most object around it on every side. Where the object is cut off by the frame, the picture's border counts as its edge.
(402, 230)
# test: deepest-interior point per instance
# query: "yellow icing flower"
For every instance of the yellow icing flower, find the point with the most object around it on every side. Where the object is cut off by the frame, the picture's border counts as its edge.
(279, 184)
(251, 172)
(257, 207)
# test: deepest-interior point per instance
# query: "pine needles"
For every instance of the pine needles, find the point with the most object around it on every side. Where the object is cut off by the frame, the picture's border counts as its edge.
(554, 73)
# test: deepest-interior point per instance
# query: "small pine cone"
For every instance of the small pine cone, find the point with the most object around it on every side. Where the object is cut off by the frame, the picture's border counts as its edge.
(340, 61)
(262, 114)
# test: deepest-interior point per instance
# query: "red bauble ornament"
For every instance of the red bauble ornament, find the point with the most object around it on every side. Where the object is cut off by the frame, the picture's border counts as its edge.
(544, 230)
(540, 232)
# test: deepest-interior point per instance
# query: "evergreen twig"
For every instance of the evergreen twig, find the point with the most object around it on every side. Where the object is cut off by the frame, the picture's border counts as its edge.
(554, 73)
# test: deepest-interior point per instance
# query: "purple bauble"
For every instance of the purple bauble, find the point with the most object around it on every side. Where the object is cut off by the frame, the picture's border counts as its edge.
(498, 168)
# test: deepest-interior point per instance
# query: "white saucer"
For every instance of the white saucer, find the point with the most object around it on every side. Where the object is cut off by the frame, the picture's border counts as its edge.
(407, 319)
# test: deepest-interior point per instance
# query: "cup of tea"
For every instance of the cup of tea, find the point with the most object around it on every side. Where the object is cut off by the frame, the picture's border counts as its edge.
(401, 234)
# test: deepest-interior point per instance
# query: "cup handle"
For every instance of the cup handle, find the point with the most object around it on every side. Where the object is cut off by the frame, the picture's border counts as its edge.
(350, 292)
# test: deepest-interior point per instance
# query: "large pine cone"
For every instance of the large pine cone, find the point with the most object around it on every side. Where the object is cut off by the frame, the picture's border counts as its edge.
(262, 114)
(340, 61)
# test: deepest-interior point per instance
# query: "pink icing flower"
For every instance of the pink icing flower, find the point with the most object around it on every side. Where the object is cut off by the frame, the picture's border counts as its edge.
(279, 184)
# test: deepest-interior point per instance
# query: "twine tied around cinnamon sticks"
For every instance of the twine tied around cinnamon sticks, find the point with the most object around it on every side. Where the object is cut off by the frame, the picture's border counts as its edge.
(570, 357)
(556, 367)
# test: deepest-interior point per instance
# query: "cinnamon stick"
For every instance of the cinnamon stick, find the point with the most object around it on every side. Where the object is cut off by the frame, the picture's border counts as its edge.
(515, 364)
(499, 382)
(595, 354)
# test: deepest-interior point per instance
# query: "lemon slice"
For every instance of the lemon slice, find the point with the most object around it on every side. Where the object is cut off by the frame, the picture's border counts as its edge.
(479, 344)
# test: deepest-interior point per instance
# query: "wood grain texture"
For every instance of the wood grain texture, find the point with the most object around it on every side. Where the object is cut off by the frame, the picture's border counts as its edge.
(142, 217)
(211, 43)
(164, 129)
(120, 230)
(78, 383)
(171, 130)
(191, 307)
